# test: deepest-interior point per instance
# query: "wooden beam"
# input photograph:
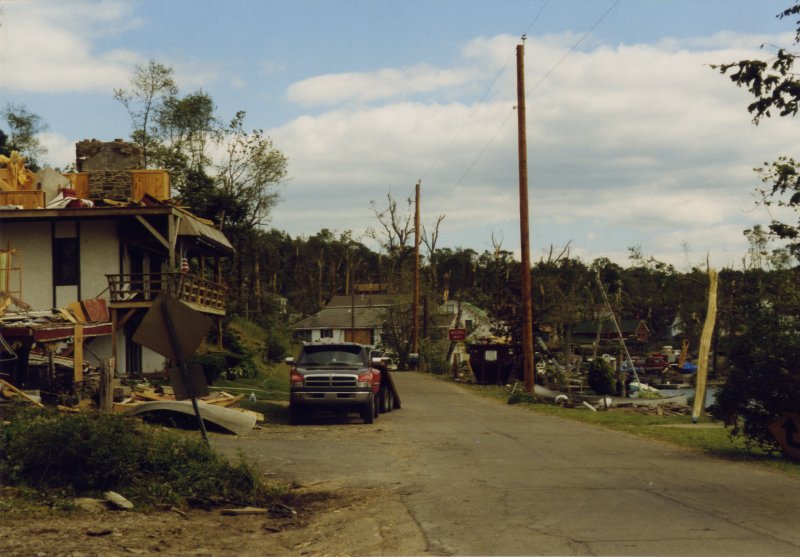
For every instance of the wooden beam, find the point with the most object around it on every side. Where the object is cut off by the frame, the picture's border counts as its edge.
(156, 234)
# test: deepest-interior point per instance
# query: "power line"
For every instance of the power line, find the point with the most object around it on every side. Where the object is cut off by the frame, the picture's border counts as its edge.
(483, 98)
(538, 84)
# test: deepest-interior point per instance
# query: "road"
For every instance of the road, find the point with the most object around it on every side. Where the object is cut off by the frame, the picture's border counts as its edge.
(479, 477)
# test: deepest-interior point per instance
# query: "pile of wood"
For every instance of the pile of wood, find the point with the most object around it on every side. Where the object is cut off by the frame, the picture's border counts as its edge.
(18, 184)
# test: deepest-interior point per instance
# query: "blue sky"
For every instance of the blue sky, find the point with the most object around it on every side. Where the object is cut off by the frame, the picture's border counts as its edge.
(633, 140)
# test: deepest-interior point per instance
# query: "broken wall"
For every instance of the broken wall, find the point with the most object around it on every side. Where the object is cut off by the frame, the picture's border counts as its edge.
(108, 164)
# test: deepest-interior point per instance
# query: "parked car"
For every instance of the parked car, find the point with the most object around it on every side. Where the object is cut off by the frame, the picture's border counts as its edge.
(333, 376)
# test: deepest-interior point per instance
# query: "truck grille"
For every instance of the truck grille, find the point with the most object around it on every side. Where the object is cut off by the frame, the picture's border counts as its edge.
(330, 381)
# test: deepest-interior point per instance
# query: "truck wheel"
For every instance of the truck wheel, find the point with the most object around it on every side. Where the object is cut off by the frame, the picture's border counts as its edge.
(295, 415)
(368, 411)
(389, 397)
(384, 400)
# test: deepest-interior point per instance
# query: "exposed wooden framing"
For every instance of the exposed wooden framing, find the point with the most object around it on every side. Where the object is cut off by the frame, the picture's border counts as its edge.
(156, 234)
(77, 353)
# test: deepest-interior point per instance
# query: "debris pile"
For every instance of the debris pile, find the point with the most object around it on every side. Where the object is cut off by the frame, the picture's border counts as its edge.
(218, 408)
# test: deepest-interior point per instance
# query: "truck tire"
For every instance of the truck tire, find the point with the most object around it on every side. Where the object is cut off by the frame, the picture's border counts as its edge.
(388, 396)
(296, 416)
(384, 399)
(368, 411)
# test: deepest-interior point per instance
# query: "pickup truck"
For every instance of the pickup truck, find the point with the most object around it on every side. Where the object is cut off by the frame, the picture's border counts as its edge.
(338, 377)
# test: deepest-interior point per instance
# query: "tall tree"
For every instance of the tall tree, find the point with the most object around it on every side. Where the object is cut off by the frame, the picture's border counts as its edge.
(249, 173)
(151, 85)
(775, 87)
(765, 377)
(24, 127)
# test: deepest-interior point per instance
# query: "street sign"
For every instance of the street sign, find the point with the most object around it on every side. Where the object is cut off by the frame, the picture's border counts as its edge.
(191, 327)
(456, 334)
(786, 431)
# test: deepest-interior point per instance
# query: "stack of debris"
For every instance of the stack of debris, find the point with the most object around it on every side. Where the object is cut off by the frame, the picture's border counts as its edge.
(218, 408)
(44, 350)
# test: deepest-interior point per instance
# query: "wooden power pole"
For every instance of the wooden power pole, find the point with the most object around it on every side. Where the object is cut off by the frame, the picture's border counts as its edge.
(415, 337)
(527, 304)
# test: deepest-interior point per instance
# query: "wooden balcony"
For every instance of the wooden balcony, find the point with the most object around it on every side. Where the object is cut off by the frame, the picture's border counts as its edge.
(140, 290)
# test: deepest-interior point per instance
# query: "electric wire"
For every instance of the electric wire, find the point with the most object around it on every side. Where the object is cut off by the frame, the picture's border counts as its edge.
(527, 93)
(482, 100)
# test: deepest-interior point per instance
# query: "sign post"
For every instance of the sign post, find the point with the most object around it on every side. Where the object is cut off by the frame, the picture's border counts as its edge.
(185, 329)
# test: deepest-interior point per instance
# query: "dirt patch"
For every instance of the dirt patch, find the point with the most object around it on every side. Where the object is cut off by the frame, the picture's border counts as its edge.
(329, 522)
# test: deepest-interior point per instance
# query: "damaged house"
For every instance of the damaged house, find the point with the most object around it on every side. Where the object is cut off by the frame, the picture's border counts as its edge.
(83, 257)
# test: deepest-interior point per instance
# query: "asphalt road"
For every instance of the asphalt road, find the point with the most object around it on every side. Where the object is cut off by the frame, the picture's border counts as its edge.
(483, 478)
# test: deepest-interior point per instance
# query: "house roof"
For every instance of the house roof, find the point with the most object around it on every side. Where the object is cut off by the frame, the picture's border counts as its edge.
(340, 318)
(191, 228)
(362, 301)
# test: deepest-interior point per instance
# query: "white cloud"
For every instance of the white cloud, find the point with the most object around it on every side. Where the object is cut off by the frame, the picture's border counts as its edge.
(46, 46)
(60, 150)
(387, 83)
(628, 145)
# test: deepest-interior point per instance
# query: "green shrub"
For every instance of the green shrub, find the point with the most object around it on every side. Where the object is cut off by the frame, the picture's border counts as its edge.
(92, 453)
(214, 365)
(765, 375)
(601, 377)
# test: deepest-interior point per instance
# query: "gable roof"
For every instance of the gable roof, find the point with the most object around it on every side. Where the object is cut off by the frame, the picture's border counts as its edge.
(362, 301)
(340, 318)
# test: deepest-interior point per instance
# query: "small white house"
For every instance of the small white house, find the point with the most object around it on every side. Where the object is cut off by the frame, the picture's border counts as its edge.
(357, 318)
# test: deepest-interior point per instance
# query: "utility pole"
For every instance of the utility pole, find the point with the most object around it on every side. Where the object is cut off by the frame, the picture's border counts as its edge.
(415, 337)
(527, 304)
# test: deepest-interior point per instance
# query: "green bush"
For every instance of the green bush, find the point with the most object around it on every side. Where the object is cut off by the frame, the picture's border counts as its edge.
(92, 453)
(601, 377)
(764, 379)
(214, 364)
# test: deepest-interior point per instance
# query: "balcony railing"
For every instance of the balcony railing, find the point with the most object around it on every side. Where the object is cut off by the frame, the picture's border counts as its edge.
(140, 289)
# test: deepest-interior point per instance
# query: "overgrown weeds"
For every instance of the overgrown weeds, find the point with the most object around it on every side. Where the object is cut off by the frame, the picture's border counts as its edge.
(67, 455)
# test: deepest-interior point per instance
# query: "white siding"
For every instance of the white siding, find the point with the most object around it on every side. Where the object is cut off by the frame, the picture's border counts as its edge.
(32, 242)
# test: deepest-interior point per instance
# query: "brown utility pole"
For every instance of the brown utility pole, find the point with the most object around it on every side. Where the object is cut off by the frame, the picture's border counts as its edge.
(415, 337)
(527, 304)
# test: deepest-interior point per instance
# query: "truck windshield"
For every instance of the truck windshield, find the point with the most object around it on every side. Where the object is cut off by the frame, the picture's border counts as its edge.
(326, 355)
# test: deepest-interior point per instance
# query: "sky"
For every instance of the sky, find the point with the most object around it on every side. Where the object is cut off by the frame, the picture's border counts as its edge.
(633, 140)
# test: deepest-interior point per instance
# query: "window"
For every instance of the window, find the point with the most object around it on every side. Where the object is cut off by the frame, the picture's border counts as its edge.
(326, 333)
(66, 258)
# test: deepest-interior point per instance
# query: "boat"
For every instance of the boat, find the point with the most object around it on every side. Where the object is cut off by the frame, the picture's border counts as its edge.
(601, 401)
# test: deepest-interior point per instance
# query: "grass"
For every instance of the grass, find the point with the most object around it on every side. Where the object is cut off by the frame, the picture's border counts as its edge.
(271, 383)
(705, 436)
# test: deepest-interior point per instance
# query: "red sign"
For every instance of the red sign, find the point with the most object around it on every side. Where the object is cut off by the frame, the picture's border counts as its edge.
(456, 334)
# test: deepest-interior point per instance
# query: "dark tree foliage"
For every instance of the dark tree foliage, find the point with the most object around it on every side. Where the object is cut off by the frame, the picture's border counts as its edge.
(775, 88)
(763, 313)
(601, 377)
(765, 380)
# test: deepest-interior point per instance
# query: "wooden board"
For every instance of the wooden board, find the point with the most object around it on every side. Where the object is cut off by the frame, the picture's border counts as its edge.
(80, 183)
(151, 182)
(28, 199)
